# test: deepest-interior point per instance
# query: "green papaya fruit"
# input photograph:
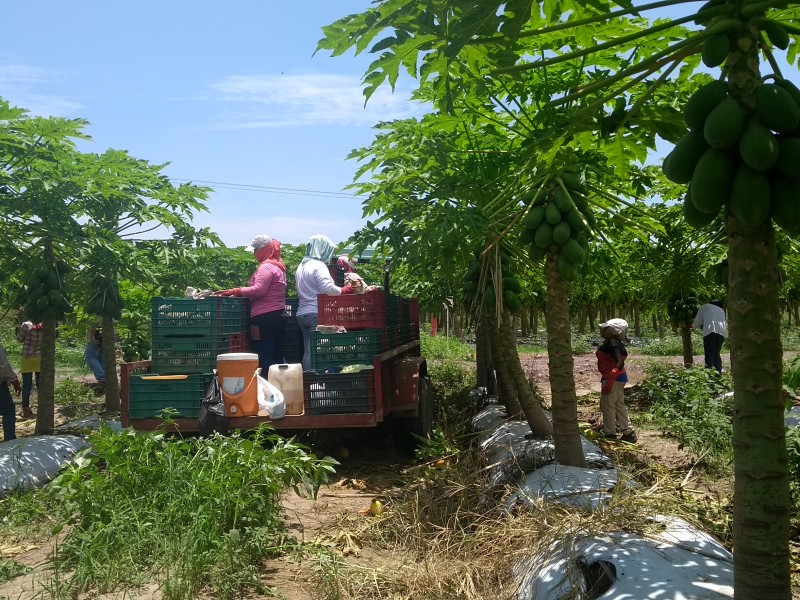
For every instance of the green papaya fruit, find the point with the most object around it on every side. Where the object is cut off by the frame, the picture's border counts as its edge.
(552, 214)
(716, 49)
(53, 281)
(513, 284)
(56, 299)
(561, 232)
(758, 146)
(567, 269)
(573, 252)
(43, 302)
(37, 292)
(706, 13)
(724, 125)
(526, 236)
(575, 221)
(511, 300)
(702, 102)
(785, 207)
(680, 163)
(590, 219)
(535, 253)
(694, 217)
(776, 34)
(562, 200)
(42, 274)
(573, 181)
(489, 298)
(790, 87)
(750, 197)
(712, 180)
(544, 235)
(776, 108)
(788, 162)
(534, 217)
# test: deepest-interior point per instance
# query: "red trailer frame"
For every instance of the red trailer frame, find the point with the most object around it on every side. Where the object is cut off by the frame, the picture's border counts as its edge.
(402, 390)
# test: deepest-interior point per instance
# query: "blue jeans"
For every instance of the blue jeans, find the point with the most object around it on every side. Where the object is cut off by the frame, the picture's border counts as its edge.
(308, 323)
(8, 413)
(94, 360)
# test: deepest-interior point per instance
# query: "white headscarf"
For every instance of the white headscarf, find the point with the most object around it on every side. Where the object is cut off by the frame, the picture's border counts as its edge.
(319, 247)
(618, 326)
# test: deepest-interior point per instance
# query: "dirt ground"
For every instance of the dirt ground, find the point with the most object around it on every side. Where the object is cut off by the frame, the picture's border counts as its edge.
(331, 518)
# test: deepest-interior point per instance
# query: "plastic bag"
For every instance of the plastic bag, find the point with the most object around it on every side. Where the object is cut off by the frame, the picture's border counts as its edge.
(213, 417)
(270, 399)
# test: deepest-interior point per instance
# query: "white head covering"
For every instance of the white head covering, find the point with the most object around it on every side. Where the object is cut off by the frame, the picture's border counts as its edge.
(261, 240)
(319, 247)
(618, 326)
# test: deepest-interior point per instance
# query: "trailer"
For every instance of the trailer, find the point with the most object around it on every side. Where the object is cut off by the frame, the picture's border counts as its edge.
(396, 389)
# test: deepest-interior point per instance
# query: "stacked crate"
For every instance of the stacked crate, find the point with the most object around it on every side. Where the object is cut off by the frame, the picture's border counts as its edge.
(292, 335)
(187, 336)
(375, 322)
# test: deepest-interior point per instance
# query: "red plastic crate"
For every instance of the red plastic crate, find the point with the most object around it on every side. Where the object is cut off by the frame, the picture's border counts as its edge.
(353, 311)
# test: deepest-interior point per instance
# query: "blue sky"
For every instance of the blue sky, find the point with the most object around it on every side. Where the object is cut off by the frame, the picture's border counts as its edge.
(226, 92)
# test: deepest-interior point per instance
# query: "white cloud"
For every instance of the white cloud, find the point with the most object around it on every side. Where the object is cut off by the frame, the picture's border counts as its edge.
(261, 101)
(19, 83)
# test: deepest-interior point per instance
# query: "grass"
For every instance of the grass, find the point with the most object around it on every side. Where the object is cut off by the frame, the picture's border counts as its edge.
(188, 514)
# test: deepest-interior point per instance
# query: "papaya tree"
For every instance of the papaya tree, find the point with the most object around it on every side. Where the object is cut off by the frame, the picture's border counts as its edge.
(731, 155)
(431, 190)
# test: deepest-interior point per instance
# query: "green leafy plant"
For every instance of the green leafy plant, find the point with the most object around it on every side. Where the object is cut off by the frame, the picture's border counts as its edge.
(446, 347)
(695, 406)
(793, 452)
(190, 513)
(10, 569)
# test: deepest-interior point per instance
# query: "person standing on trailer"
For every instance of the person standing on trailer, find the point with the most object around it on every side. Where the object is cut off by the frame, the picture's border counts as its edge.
(312, 278)
(266, 291)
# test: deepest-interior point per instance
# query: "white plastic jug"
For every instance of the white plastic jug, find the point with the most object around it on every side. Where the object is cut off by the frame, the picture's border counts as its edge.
(288, 378)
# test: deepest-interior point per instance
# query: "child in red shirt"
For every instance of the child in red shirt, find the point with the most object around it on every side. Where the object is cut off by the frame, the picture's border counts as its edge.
(611, 357)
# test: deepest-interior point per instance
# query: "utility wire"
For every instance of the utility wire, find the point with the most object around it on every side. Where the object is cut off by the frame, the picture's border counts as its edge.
(268, 189)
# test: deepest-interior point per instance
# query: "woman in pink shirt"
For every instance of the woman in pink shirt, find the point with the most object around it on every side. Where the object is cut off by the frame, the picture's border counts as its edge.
(267, 293)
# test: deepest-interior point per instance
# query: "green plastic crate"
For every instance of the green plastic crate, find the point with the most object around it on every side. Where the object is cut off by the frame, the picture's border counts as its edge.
(339, 393)
(341, 349)
(207, 316)
(194, 354)
(147, 398)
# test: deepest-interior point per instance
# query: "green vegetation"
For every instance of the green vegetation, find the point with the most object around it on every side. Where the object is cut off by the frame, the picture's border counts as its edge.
(192, 514)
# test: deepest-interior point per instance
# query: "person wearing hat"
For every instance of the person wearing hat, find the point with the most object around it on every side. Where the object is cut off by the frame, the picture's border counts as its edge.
(611, 357)
(312, 278)
(711, 317)
(266, 291)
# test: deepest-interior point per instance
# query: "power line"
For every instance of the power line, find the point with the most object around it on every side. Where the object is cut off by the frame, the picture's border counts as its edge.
(265, 189)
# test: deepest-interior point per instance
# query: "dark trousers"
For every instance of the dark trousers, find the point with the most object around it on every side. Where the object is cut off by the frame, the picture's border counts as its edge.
(8, 413)
(712, 345)
(27, 387)
(270, 346)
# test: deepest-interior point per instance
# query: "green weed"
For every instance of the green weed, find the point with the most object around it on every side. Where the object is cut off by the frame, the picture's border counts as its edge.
(443, 347)
(694, 406)
(793, 451)
(191, 514)
(10, 569)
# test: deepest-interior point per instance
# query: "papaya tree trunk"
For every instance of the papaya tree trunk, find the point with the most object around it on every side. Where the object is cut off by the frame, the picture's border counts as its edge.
(535, 320)
(761, 487)
(110, 364)
(45, 409)
(505, 382)
(686, 341)
(569, 450)
(637, 321)
(796, 308)
(507, 361)
(524, 323)
(591, 318)
(483, 357)
(582, 317)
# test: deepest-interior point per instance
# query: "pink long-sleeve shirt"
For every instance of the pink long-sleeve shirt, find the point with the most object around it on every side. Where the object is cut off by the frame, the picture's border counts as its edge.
(266, 289)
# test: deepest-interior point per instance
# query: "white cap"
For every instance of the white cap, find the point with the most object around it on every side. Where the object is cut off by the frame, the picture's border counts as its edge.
(259, 241)
(618, 326)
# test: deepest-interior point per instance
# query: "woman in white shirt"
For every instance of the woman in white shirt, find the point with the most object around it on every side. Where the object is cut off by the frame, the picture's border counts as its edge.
(312, 278)
(711, 317)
